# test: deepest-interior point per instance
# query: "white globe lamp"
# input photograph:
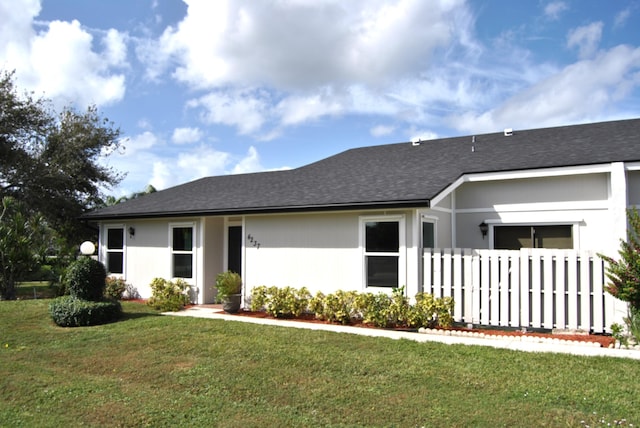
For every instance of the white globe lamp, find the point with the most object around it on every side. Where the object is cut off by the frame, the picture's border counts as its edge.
(87, 248)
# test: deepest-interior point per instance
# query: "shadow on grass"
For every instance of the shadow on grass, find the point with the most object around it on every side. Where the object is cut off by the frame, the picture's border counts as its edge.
(126, 316)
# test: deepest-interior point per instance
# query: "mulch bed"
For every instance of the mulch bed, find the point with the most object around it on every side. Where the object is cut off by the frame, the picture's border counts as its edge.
(604, 340)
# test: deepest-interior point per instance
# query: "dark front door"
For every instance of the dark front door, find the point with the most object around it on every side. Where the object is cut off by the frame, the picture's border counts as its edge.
(234, 249)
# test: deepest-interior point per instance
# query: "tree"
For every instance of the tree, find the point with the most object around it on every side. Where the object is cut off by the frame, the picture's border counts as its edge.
(50, 162)
(112, 200)
(50, 174)
(624, 274)
(21, 244)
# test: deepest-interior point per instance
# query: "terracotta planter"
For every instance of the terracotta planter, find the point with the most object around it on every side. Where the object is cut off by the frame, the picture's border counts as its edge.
(231, 304)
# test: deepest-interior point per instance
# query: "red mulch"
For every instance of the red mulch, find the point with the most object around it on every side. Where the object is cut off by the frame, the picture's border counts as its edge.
(603, 340)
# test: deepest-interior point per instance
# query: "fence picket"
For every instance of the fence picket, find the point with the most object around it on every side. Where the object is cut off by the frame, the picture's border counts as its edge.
(514, 284)
(484, 284)
(525, 288)
(457, 282)
(467, 261)
(598, 295)
(504, 288)
(548, 288)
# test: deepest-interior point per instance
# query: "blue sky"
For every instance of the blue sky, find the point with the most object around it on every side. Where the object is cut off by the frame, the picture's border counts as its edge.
(220, 87)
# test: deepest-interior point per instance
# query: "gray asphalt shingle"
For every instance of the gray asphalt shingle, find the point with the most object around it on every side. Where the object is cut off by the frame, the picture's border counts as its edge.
(392, 175)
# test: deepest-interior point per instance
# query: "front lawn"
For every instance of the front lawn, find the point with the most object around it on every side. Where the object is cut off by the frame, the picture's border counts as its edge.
(151, 370)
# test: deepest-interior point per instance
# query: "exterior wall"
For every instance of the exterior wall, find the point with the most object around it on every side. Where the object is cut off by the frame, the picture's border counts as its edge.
(581, 200)
(147, 255)
(320, 251)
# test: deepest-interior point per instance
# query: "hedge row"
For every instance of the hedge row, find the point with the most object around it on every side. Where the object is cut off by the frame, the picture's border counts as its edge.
(347, 307)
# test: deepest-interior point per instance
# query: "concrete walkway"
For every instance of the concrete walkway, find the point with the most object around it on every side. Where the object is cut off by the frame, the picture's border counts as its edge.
(504, 342)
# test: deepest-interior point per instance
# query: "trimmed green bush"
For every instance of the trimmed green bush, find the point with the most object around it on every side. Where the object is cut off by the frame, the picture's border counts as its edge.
(169, 296)
(335, 307)
(69, 311)
(85, 279)
(284, 302)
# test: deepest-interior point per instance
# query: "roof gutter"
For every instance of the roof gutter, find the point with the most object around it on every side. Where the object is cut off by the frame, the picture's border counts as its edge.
(417, 203)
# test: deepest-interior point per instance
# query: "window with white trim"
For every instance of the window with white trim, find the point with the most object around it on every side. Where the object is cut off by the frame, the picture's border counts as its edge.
(182, 251)
(384, 246)
(115, 250)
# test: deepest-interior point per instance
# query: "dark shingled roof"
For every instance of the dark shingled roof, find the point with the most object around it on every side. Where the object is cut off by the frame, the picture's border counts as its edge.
(394, 175)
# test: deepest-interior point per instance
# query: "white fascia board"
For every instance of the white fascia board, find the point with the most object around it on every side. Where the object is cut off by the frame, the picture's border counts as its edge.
(632, 166)
(520, 174)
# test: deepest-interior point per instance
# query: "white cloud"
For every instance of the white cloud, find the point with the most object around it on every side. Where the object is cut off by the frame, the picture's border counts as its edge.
(577, 93)
(250, 163)
(186, 135)
(202, 161)
(554, 9)
(622, 17)
(586, 39)
(246, 110)
(310, 60)
(140, 142)
(61, 61)
(381, 130)
(230, 43)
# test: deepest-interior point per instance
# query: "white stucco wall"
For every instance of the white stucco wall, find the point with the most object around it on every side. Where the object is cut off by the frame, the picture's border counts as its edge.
(147, 253)
(581, 200)
(320, 251)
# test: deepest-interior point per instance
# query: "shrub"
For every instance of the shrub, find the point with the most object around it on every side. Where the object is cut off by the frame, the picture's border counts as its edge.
(373, 308)
(115, 288)
(284, 302)
(338, 307)
(430, 312)
(167, 295)
(69, 311)
(624, 274)
(85, 279)
(344, 307)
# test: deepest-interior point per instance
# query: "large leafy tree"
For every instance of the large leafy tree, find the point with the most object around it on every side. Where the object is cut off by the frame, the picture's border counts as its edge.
(50, 174)
(50, 162)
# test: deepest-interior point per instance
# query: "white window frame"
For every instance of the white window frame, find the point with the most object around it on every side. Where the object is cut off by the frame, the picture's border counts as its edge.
(107, 250)
(434, 221)
(192, 252)
(401, 254)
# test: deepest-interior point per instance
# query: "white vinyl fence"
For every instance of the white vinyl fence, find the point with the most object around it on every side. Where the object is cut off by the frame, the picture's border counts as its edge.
(529, 288)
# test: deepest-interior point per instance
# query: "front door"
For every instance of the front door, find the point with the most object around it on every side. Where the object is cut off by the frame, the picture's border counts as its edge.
(234, 249)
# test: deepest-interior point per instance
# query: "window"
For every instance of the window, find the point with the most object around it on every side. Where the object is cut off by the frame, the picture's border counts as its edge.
(383, 252)
(428, 234)
(115, 250)
(516, 237)
(182, 251)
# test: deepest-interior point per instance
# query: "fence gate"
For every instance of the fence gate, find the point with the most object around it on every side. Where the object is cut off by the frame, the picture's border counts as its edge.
(533, 288)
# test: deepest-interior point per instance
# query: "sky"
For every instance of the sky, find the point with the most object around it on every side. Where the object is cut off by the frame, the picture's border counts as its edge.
(202, 87)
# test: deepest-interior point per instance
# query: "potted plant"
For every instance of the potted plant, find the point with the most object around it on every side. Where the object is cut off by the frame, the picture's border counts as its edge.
(229, 286)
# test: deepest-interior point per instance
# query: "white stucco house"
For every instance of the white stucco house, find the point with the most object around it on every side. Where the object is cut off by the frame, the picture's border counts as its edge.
(360, 219)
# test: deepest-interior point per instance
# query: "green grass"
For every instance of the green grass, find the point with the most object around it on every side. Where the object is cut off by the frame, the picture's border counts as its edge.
(35, 290)
(151, 370)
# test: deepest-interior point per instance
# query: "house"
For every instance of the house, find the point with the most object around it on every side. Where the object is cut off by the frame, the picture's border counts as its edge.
(360, 219)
